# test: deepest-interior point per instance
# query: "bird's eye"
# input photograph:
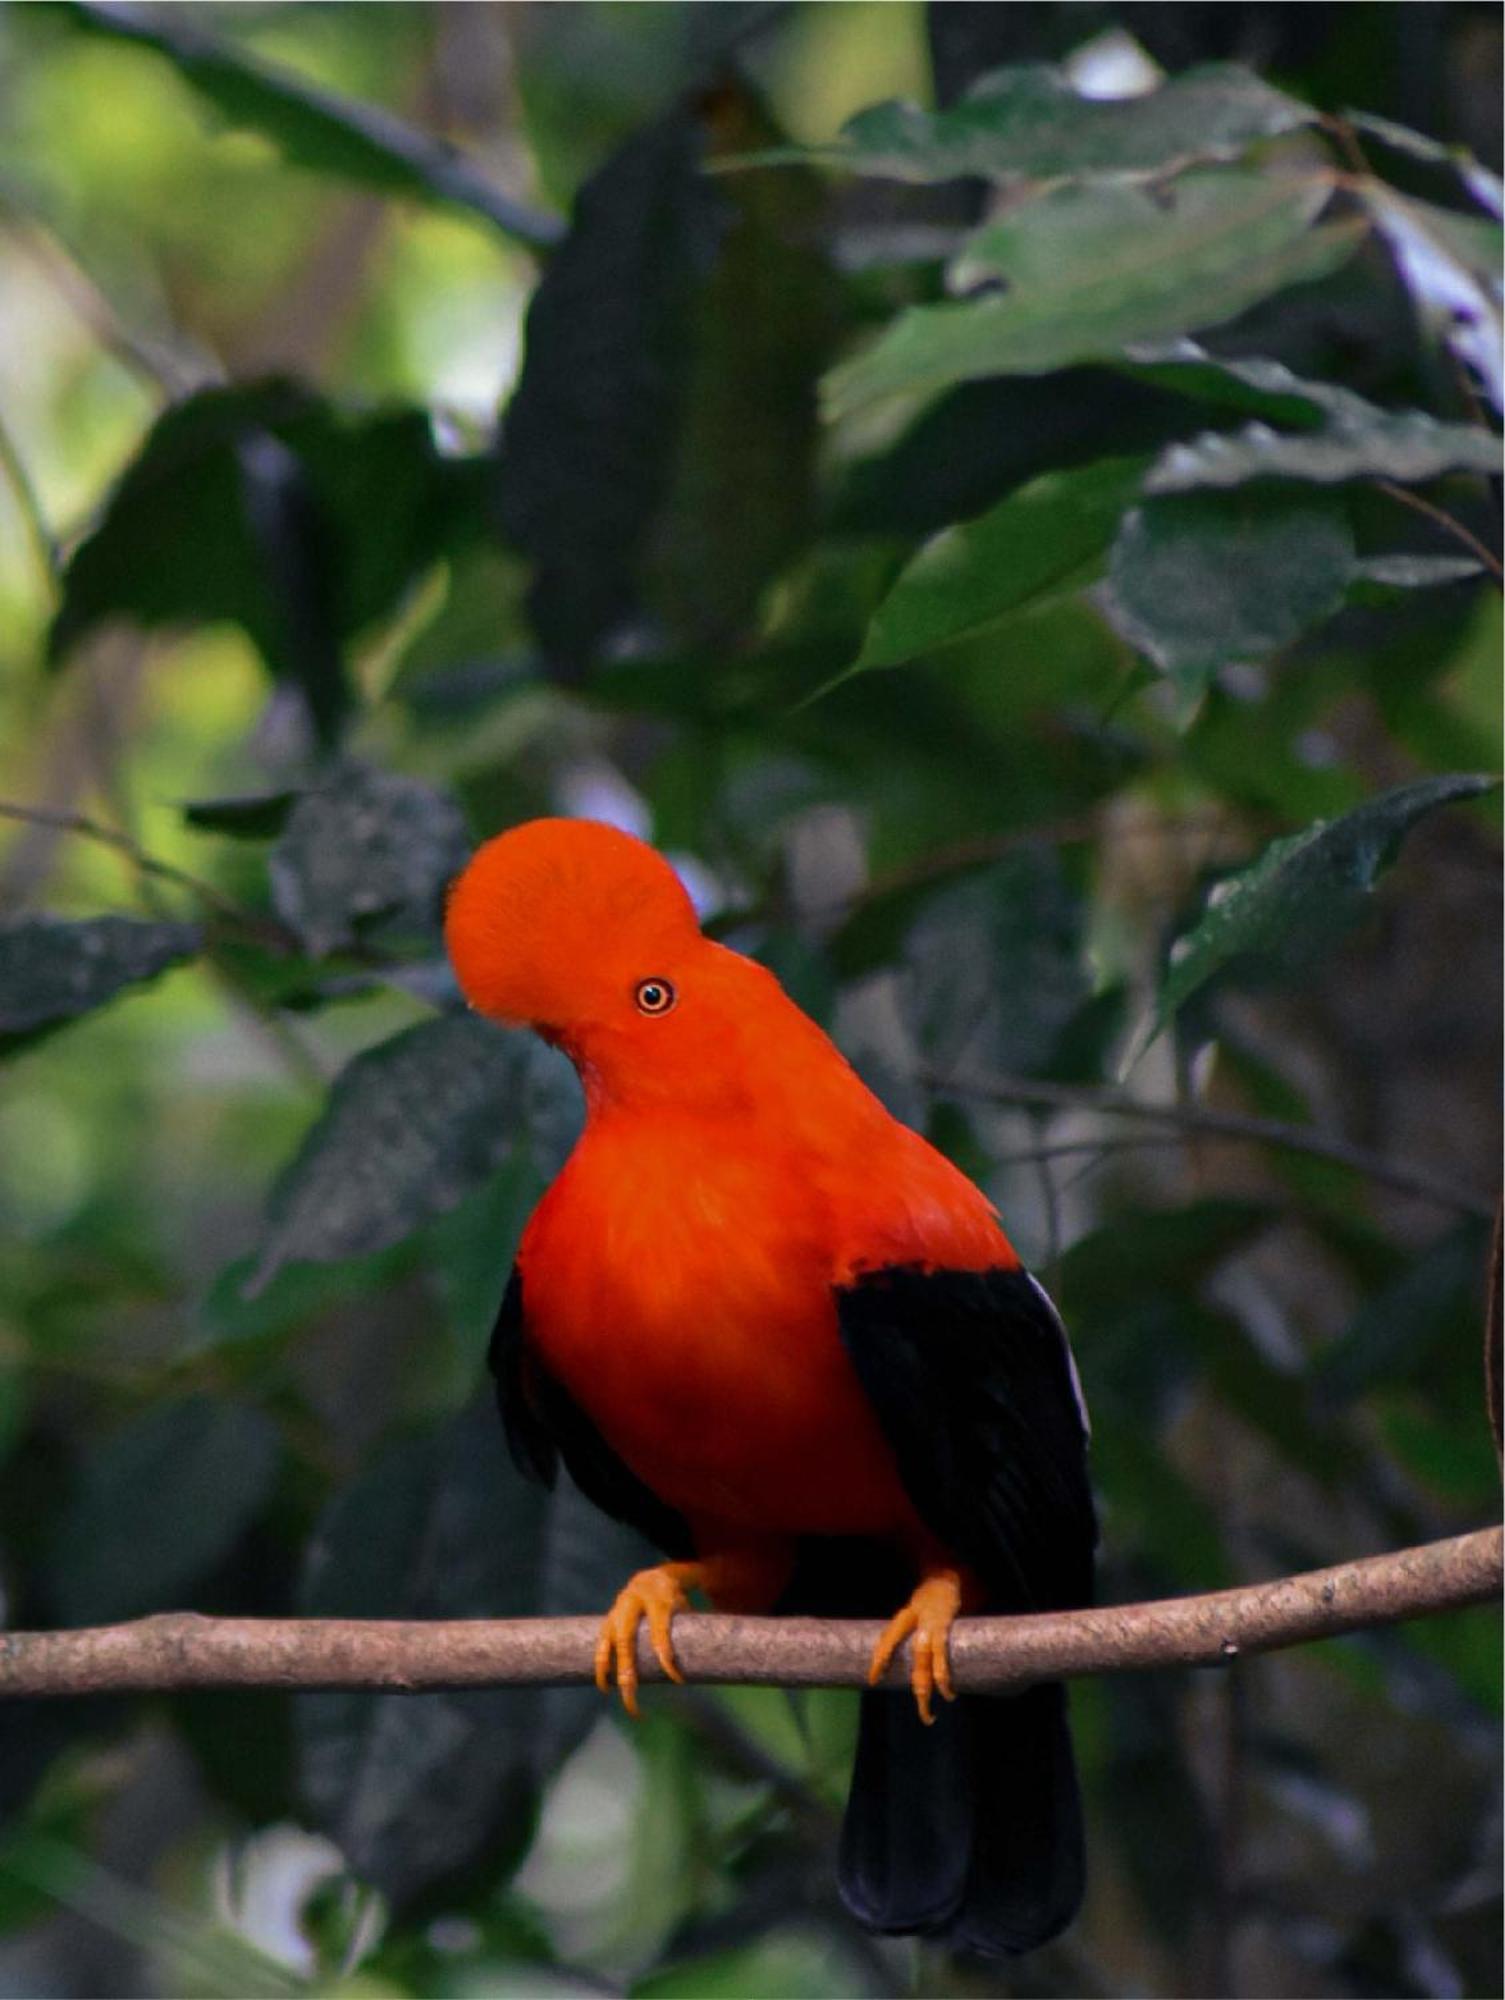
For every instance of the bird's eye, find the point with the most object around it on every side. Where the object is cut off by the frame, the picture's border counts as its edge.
(654, 996)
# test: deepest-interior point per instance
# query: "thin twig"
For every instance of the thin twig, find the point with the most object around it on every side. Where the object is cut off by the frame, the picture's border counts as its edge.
(19, 480)
(148, 864)
(1447, 522)
(1236, 1125)
(989, 1655)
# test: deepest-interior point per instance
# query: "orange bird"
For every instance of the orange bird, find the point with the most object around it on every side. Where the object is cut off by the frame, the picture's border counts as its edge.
(776, 1331)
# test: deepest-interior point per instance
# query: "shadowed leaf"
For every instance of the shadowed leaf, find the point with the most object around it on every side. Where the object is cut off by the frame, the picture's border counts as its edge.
(443, 1526)
(1304, 891)
(52, 970)
(410, 1128)
(158, 1506)
(1198, 581)
(368, 850)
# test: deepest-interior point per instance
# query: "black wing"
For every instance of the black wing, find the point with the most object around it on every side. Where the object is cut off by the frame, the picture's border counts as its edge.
(545, 1424)
(973, 1384)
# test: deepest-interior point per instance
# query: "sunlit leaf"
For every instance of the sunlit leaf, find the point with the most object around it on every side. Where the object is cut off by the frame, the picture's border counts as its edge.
(316, 128)
(1028, 122)
(1361, 442)
(1042, 539)
(52, 970)
(1089, 270)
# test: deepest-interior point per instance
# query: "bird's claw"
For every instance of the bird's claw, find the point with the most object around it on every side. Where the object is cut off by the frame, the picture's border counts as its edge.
(929, 1615)
(655, 1595)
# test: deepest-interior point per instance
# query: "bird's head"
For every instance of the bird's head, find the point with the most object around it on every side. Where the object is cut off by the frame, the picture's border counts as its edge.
(588, 936)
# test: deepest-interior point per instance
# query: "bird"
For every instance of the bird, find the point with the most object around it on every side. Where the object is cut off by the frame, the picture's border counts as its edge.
(779, 1333)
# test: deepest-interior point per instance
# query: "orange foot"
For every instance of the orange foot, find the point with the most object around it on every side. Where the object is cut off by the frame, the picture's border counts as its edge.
(929, 1615)
(654, 1594)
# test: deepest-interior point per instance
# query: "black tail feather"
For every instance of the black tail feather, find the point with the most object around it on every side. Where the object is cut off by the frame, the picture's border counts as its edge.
(970, 1830)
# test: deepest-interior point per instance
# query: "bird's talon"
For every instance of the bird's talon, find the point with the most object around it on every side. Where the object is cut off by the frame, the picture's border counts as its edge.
(654, 1595)
(929, 1615)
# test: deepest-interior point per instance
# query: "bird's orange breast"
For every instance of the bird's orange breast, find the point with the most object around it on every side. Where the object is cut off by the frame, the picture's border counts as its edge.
(681, 1290)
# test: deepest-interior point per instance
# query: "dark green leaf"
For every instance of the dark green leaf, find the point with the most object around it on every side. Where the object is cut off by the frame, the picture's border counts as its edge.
(588, 440)
(263, 494)
(261, 816)
(995, 967)
(1042, 539)
(1393, 1332)
(1305, 890)
(410, 1128)
(52, 970)
(366, 851)
(762, 327)
(1029, 122)
(158, 1506)
(1090, 270)
(315, 128)
(1198, 581)
(413, 1788)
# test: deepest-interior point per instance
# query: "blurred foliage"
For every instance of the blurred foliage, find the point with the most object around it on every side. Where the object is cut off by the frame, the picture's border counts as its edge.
(1003, 494)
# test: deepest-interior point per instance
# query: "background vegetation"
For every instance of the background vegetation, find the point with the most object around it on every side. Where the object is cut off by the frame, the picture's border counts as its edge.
(1030, 556)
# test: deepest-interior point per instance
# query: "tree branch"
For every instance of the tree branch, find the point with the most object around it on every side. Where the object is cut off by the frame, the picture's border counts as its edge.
(1237, 1125)
(184, 1650)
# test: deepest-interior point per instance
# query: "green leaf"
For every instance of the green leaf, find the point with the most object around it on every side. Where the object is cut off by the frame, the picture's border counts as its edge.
(158, 1506)
(1029, 122)
(316, 128)
(366, 851)
(52, 970)
(1304, 891)
(1361, 442)
(257, 816)
(410, 1127)
(1093, 269)
(262, 493)
(414, 1788)
(1038, 541)
(587, 446)
(1399, 1327)
(1198, 581)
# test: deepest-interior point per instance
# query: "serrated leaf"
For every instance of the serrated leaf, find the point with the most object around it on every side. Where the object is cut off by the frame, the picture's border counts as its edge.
(1361, 442)
(158, 1506)
(1092, 269)
(410, 1127)
(366, 849)
(1029, 122)
(53, 969)
(414, 1788)
(262, 491)
(317, 128)
(1198, 581)
(1041, 539)
(1305, 890)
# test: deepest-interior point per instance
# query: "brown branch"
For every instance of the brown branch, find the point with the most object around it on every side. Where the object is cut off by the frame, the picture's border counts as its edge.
(184, 1650)
(1238, 1125)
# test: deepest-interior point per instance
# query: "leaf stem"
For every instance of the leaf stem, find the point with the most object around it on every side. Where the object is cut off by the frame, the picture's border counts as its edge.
(1449, 525)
